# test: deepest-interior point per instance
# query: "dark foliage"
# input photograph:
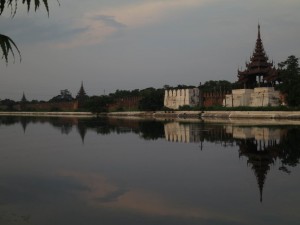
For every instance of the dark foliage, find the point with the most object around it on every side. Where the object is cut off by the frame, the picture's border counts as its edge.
(290, 76)
(65, 96)
(152, 99)
(98, 104)
(8, 104)
(217, 86)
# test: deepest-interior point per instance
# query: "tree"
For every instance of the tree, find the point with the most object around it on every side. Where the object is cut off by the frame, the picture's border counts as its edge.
(290, 76)
(6, 43)
(8, 104)
(98, 104)
(216, 86)
(65, 96)
(152, 99)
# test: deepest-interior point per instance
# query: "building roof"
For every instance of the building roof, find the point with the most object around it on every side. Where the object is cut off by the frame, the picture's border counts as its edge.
(259, 66)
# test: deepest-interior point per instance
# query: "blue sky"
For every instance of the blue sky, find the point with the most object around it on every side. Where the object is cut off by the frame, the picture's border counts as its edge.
(134, 44)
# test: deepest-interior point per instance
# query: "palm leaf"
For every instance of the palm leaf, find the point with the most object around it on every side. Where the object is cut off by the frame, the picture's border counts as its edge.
(7, 46)
(13, 5)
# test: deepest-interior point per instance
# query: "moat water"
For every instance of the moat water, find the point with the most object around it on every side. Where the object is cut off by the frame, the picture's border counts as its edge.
(71, 171)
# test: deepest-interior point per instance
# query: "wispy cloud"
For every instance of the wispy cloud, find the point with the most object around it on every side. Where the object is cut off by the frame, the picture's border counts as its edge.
(110, 21)
(100, 192)
(103, 23)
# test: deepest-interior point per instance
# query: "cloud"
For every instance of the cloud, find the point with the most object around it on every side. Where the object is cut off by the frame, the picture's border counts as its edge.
(110, 21)
(103, 23)
(100, 192)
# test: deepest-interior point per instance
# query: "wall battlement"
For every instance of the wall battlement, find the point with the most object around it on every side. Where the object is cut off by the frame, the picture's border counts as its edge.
(175, 98)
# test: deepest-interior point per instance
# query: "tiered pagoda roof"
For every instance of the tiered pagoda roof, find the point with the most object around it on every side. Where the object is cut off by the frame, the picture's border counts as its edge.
(23, 99)
(258, 67)
(81, 95)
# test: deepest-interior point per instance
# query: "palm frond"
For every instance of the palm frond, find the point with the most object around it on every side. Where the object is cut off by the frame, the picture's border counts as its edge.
(13, 5)
(7, 46)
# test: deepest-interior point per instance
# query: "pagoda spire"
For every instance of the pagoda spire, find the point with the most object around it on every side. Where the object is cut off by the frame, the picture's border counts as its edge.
(81, 96)
(259, 71)
(81, 93)
(23, 99)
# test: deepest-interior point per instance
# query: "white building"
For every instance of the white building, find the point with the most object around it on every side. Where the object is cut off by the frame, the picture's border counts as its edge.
(257, 97)
(174, 98)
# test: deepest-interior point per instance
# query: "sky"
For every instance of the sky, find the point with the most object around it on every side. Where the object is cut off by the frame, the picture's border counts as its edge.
(135, 44)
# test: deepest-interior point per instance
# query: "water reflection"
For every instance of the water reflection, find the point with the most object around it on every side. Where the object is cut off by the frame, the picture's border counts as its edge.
(147, 129)
(262, 146)
(278, 142)
(168, 179)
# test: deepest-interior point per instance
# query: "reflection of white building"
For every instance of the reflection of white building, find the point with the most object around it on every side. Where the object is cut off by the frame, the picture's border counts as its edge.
(180, 97)
(263, 135)
(177, 132)
(186, 133)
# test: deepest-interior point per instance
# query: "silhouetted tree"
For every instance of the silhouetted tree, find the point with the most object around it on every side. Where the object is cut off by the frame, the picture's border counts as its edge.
(97, 104)
(65, 96)
(8, 104)
(290, 77)
(152, 99)
(217, 85)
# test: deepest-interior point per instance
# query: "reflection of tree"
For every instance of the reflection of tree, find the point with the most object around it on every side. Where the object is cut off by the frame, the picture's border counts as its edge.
(8, 120)
(147, 129)
(151, 130)
(290, 148)
(64, 124)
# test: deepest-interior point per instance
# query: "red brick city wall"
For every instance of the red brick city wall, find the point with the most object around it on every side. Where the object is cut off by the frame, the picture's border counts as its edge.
(213, 98)
(63, 106)
(130, 103)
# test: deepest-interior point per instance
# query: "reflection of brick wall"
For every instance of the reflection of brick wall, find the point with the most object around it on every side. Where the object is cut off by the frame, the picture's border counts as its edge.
(127, 104)
(61, 106)
(213, 98)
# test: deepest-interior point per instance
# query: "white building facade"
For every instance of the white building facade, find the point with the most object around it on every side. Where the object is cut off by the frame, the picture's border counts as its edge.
(174, 98)
(257, 97)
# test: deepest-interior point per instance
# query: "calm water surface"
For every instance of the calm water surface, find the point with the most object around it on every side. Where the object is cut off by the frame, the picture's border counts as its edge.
(61, 171)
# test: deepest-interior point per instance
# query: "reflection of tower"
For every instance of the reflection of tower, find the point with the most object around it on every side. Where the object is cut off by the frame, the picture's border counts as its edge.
(261, 145)
(82, 129)
(24, 122)
(260, 160)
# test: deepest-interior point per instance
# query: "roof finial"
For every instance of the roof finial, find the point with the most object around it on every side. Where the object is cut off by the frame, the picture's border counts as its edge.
(258, 35)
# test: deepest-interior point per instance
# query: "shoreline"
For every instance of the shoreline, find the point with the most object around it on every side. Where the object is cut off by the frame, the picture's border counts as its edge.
(50, 114)
(214, 114)
(172, 114)
(225, 117)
